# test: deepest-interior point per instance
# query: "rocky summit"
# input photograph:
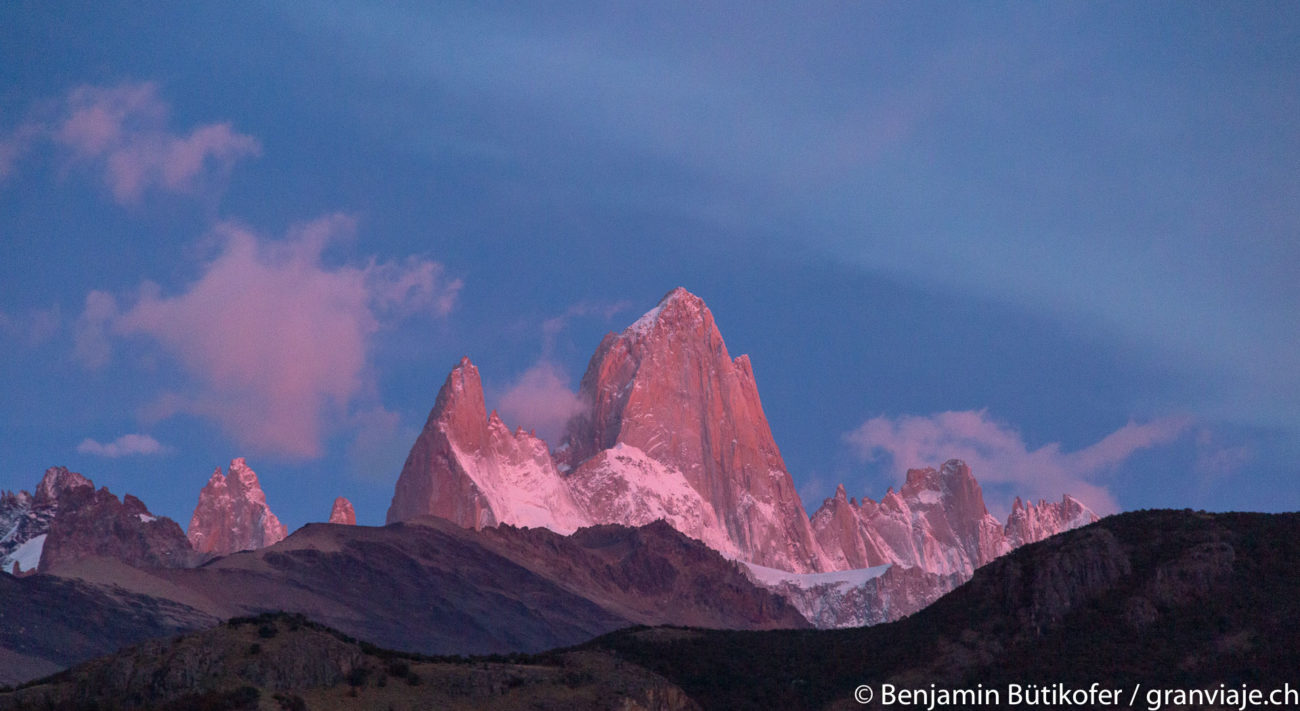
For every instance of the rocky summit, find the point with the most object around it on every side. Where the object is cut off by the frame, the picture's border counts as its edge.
(342, 512)
(232, 514)
(67, 519)
(672, 429)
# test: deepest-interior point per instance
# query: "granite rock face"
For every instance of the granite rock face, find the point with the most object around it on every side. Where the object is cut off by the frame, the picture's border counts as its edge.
(469, 468)
(671, 428)
(67, 519)
(342, 512)
(232, 514)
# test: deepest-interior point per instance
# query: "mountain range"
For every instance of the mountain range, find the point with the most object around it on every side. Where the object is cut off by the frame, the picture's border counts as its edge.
(666, 502)
(672, 428)
(1142, 602)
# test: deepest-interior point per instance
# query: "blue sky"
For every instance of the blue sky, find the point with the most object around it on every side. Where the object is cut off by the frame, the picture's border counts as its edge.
(1059, 241)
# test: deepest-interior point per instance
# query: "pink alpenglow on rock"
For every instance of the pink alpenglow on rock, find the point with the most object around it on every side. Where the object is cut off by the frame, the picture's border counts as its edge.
(666, 389)
(469, 468)
(1028, 523)
(232, 514)
(68, 520)
(931, 536)
(670, 427)
(343, 512)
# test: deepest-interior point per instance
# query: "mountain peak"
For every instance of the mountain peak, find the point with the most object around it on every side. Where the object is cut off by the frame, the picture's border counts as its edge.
(58, 480)
(955, 468)
(667, 391)
(343, 513)
(232, 515)
(467, 467)
(677, 307)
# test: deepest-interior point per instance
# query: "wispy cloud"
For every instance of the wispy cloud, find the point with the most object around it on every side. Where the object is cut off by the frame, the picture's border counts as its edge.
(90, 334)
(124, 133)
(31, 328)
(14, 145)
(277, 342)
(540, 400)
(998, 454)
(125, 446)
(1217, 458)
(552, 327)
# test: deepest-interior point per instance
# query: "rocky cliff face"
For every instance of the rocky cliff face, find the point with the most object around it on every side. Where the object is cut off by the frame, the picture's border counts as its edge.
(343, 513)
(673, 429)
(67, 519)
(667, 388)
(232, 514)
(1029, 523)
(96, 523)
(469, 468)
(938, 523)
(933, 533)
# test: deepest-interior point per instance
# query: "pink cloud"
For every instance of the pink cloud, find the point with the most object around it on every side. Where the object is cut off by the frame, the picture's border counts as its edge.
(540, 400)
(999, 455)
(124, 132)
(278, 343)
(124, 446)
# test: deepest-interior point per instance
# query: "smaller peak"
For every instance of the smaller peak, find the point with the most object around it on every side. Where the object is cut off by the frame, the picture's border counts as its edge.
(956, 467)
(218, 477)
(134, 505)
(58, 480)
(1017, 505)
(919, 477)
(840, 493)
(743, 365)
(677, 294)
(242, 476)
(676, 301)
(343, 513)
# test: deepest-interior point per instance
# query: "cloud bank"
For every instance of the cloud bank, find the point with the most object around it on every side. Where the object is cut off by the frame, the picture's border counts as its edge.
(276, 342)
(998, 454)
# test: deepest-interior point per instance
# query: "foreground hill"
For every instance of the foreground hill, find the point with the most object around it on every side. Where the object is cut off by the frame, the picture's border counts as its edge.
(1172, 600)
(424, 586)
(1167, 599)
(287, 662)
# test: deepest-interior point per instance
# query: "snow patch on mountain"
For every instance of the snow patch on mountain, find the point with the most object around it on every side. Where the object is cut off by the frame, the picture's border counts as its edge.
(772, 577)
(27, 556)
(624, 485)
